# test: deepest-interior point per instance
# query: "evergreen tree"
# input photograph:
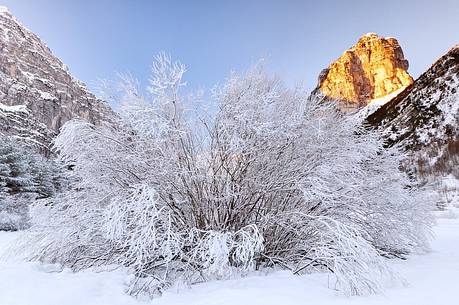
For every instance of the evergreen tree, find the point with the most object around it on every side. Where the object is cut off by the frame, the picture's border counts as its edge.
(15, 167)
(24, 177)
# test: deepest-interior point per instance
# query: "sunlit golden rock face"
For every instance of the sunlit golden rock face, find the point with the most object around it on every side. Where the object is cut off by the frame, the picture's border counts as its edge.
(373, 68)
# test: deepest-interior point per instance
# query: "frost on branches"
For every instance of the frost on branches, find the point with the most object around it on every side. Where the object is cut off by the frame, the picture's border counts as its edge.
(270, 180)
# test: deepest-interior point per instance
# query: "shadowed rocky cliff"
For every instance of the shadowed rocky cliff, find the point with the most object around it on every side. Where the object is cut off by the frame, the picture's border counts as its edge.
(37, 92)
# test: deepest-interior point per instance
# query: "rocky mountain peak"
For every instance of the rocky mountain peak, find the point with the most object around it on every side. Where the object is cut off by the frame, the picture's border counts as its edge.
(34, 79)
(373, 68)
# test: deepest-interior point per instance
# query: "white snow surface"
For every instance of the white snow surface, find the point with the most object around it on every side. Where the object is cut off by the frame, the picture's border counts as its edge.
(375, 104)
(15, 108)
(431, 279)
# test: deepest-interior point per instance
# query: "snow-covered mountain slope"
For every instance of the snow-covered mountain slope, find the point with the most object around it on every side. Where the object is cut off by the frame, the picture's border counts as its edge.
(424, 118)
(431, 279)
(31, 76)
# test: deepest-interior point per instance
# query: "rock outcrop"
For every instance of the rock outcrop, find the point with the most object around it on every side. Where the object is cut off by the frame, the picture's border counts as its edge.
(372, 69)
(37, 92)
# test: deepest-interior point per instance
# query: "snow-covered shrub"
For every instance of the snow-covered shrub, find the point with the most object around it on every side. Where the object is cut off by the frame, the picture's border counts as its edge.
(13, 212)
(272, 179)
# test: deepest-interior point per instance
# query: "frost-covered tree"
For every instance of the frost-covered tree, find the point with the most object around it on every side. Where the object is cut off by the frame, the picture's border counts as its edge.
(15, 170)
(24, 176)
(15, 180)
(270, 180)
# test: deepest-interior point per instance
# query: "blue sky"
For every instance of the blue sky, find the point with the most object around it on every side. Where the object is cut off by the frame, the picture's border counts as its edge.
(97, 38)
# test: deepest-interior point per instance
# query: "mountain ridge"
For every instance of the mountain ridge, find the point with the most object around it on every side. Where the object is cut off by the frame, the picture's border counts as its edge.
(424, 118)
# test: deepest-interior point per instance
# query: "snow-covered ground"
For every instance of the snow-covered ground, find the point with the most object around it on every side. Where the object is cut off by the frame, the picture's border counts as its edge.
(431, 279)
